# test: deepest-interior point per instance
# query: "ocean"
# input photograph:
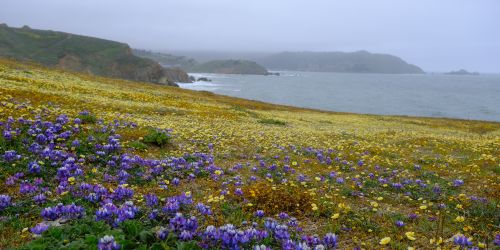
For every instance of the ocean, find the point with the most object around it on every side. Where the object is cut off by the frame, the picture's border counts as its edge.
(429, 95)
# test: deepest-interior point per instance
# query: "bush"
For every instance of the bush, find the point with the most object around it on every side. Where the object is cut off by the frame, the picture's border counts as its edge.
(158, 137)
(87, 118)
(272, 122)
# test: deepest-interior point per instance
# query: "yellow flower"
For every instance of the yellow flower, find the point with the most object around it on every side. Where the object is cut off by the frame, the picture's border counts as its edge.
(218, 172)
(71, 180)
(335, 216)
(314, 207)
(410, 235)
(481, 245)
(459, 219)
(423, 207)
(385, 241)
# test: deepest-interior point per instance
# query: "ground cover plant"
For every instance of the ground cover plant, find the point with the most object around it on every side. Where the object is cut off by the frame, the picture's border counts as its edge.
(96, 163)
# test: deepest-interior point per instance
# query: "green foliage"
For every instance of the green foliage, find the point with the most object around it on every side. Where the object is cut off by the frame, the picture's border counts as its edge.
(271, 121)
(158, 137)
(88, 118)
(138, 145)
(85, 234)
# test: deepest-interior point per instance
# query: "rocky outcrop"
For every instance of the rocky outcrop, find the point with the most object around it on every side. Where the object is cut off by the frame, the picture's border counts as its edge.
(177, 75)
(462, 72)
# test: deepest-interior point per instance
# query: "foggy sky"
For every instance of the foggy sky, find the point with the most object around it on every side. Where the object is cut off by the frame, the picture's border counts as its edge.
(437, 35)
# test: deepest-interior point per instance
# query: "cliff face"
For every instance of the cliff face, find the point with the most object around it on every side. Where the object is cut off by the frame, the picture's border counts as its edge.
(349, 62)
(80, 53)
(230, 67)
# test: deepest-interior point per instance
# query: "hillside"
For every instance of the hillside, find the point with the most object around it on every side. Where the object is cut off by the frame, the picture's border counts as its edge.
(244, 67)
(353, 62)
(90, 161)
(79, 53)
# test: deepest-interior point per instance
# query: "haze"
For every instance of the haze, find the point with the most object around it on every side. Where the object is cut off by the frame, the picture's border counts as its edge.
(435, 35)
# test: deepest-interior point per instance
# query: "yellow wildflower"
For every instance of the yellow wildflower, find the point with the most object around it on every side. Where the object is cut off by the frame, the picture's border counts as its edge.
(410, 235)
(385, 241)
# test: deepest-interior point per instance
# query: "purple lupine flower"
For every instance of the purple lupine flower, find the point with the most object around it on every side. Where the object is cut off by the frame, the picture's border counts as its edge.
(458, 183)
(34, 168)
(176, 181)
(238, 192)
(5, 201)
(162, 233)
(203, 209)
(151, 200)
(39, 198)
(283, 216)
(461, 240)
(330, 240)
(186, 235)
(399, 223)
(11, 155)
(259, 213)
(497, 240)
(261, 247)
(39, 228)
(108, 243)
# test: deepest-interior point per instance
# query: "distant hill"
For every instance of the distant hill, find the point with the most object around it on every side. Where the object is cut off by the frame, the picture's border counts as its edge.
(462, 72)
(166, 60)
(79, 53)
(349, 62)
(230, 67)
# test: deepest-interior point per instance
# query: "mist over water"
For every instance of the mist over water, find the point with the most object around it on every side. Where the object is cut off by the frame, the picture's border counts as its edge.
(432, 95)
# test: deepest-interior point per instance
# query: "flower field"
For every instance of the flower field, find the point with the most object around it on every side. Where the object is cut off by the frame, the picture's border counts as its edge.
(98, 163)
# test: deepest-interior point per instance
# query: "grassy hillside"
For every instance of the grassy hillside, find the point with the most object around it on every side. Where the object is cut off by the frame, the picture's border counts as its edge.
(159, 167)
(353, 62)
(78, 53)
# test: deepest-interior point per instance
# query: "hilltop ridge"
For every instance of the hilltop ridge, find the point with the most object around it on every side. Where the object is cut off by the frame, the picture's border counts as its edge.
(79, 53)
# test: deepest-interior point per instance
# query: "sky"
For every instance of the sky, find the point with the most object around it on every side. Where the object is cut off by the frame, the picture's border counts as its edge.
(437, 35)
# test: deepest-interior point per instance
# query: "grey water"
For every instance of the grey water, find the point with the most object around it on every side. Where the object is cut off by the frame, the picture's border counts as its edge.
(429, 95)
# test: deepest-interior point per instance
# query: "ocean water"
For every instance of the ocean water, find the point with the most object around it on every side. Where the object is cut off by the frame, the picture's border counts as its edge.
(431, 95)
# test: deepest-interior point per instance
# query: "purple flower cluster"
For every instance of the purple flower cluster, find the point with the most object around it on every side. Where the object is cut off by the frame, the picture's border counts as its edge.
(108, 243)
(462, 241)
(115, 215)
(5, 201)
(39, 228)
(61, 211)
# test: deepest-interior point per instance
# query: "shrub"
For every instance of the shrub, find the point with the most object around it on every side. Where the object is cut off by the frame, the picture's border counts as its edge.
(87, 118)
(158, 137)
(272, 122)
